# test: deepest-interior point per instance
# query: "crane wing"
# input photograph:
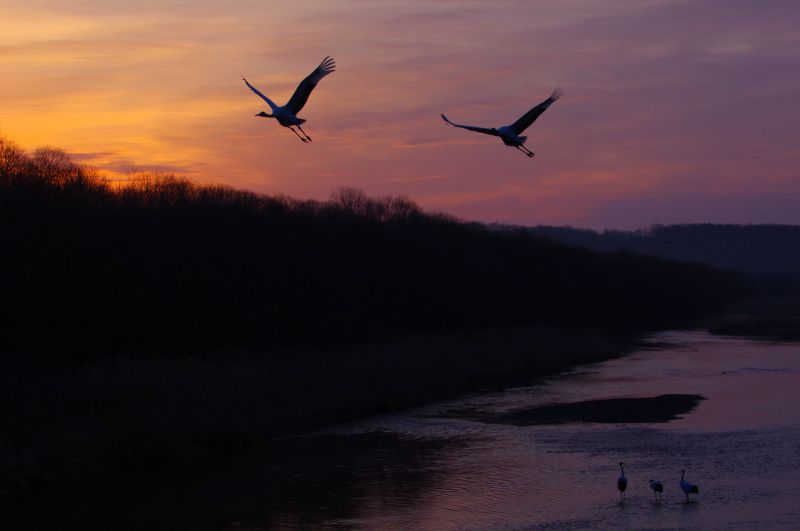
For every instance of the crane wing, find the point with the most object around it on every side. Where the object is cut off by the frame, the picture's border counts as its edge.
(484, 130)
(269, 101)
(303, 90)
(529, 117)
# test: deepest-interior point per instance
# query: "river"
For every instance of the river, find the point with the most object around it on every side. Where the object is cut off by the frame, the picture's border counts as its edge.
(460, 465)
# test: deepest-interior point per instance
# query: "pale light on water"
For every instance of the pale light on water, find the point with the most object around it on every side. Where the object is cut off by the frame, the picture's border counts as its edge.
(741, 446)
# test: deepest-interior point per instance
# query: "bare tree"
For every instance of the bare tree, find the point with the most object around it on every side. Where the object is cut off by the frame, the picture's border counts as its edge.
(13, 160)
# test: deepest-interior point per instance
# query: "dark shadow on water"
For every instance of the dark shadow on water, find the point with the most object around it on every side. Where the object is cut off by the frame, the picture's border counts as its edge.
(651, 344)
(663, 408)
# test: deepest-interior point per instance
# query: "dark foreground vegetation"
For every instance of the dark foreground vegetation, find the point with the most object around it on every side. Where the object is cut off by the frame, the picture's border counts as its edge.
(166, 321)
(122, 414)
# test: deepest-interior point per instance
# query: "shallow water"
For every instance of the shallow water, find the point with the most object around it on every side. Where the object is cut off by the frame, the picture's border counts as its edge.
(445, 467)
(741, 446)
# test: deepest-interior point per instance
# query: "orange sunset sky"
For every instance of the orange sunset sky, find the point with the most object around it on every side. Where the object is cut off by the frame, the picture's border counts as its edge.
(674, 111)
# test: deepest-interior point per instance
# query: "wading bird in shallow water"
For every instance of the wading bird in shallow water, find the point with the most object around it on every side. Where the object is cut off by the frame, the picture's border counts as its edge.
(510, 133)
(622, 482)
(687, 487)
(658, 488)
(287, 115)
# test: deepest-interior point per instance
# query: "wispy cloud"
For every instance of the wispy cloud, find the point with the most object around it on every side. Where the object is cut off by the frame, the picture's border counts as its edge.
(665, 98)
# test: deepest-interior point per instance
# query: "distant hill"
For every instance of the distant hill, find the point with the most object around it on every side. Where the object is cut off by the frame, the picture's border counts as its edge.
(764, 249)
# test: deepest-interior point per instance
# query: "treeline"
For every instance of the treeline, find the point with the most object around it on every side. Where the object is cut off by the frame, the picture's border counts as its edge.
(761, 249)
(167, 266)
(163, 321)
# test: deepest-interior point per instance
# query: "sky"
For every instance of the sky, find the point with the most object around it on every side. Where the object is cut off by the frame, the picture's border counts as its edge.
(674, 111)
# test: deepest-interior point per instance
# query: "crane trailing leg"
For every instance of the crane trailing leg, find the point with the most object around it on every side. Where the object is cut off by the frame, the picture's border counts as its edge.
(298, 135)
(525, 150)
(306, 134)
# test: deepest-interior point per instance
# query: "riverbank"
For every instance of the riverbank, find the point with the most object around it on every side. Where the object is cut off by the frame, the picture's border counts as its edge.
(119, 414)
(434, 468)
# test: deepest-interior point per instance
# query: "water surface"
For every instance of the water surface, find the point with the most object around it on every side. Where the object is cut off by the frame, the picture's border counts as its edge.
(741, 446)
(453, 465)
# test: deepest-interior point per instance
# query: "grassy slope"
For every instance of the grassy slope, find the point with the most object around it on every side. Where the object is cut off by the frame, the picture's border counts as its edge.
(120, 413)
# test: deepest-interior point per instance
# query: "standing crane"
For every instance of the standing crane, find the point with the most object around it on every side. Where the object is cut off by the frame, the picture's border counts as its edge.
(658, 488)
(622, 482)
(688, 488)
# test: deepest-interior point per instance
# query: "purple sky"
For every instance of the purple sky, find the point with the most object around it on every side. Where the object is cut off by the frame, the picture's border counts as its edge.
(675, 111)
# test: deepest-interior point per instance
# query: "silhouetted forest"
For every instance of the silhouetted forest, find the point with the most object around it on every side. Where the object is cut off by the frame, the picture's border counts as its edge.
(165, 322)
(762, 249)
(168, 266)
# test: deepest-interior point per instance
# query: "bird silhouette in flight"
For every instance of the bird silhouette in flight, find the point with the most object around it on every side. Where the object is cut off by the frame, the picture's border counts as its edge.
(510, 134)
(287, 114)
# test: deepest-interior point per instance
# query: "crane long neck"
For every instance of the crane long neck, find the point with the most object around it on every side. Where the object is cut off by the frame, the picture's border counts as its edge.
(272, 105)
(683, 473)
(621, 470)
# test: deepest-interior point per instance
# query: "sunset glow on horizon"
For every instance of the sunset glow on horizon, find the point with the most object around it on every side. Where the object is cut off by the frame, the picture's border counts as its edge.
(674, 111)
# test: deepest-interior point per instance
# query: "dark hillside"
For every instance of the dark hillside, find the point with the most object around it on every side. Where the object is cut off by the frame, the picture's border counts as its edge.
(760, 249)
(169, 266)
(167, 322)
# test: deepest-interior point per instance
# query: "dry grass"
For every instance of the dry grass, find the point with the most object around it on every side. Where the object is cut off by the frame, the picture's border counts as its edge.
(159, 412)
